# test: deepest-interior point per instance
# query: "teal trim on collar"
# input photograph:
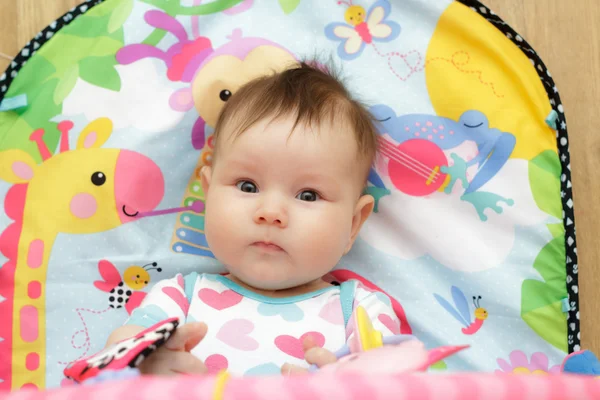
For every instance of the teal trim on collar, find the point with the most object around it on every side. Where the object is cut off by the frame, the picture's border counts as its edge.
(269, 300)
(347, 289)
(189, 281)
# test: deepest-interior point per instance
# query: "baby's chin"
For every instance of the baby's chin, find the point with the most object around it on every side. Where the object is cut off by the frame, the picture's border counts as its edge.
(271, 283)
(272, 280)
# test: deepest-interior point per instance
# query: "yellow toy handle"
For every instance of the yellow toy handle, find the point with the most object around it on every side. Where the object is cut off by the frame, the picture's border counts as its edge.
(220, 383)
(369, 337)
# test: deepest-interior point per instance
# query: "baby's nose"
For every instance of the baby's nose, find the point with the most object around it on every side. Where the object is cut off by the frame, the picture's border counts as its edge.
(271, 216)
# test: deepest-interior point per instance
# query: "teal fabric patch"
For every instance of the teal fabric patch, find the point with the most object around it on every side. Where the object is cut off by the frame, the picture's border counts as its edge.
(12, 103)
(566, 306)
(551, 119)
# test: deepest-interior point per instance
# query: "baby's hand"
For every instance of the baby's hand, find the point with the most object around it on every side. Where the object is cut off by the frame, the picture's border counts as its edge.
(174, 356)
(313, 354)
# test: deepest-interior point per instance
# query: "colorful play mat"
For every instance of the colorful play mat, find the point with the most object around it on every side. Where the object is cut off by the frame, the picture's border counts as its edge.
(110, 110)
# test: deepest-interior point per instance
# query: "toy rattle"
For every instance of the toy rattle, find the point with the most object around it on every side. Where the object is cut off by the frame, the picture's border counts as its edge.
(368, 351)
(118, 359)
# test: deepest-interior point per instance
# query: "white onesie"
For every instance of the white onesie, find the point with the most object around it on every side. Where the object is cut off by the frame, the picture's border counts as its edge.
(251, 334)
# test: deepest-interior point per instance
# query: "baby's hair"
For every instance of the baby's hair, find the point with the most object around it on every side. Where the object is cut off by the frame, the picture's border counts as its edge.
(309, 90)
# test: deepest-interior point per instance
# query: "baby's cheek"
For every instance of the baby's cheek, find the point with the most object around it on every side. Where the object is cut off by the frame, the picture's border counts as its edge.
(223, 225)
(325, 237)
(215, 225)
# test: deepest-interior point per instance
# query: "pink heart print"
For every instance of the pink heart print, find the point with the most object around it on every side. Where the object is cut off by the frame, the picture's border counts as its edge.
(293, 346)
(178, 298)
(235, 333)
(216, 363)
(180, 281)
(219, 301)
(389, 323)
(332, 312)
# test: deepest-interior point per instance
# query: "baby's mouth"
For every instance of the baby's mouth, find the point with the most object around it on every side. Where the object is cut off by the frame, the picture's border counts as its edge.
(267, 246)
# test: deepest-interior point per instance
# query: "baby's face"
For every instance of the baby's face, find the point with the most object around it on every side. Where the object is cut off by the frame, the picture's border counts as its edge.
(281, 210)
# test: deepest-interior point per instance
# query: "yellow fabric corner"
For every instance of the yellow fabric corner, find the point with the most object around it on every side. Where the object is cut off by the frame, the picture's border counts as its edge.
(471, 65)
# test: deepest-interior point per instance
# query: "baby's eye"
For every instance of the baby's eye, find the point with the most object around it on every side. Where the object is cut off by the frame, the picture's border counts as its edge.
(308, 195)
(247, 186)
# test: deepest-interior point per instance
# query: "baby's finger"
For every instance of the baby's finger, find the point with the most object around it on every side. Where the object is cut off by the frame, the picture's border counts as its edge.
(186, 363)
(157, 363)
(290, 369)
(187, 336)
(319, 356)
(309, 342)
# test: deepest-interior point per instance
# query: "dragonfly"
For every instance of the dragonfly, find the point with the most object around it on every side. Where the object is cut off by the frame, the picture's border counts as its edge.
(462, 312)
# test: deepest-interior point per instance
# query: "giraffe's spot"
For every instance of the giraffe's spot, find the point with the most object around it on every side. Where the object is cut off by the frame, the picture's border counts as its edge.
(32, 361)
(22, 170)
(30, 386)
(34, 289)
(83, 205)
(29, 323)
(35, 255)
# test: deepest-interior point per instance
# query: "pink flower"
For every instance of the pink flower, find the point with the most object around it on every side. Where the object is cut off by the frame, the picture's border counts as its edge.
(519, 364)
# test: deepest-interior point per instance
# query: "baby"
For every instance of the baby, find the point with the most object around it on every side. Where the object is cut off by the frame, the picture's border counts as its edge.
(284, 202)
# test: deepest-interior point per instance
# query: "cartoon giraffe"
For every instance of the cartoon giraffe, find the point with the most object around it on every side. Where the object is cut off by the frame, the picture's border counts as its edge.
(79, 191)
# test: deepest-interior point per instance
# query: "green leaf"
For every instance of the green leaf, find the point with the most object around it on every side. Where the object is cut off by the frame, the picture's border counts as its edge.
(103, 9)
(550, 323)
(37, 80)
(31, 77)
(556, 229)
(439, 366)
(100, 71)
(548, 161)
(66, 84)
(288, 5)
(545, 186)
(550, 263)
(120, 15)
(15, 132)
(541, 301)
(537, 294)
(90, 26)
(101, 46)
(74, 48)
(94, 23)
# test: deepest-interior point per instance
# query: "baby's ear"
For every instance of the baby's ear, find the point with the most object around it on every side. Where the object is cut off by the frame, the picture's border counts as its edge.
(363, 209)
(205, 177)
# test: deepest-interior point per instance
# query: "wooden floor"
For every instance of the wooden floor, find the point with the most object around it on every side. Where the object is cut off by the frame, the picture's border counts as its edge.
(567, 36)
